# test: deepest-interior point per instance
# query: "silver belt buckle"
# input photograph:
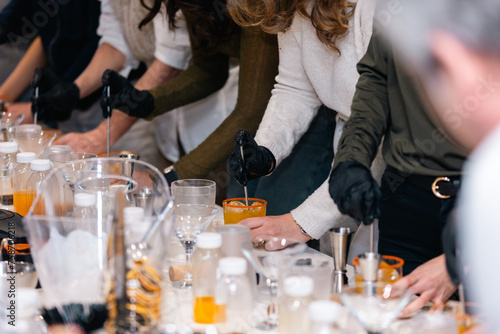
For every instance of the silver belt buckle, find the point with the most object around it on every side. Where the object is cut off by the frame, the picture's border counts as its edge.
(435, 187)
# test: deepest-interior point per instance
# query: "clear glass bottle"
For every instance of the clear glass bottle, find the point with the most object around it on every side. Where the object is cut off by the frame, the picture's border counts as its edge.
(20, 178)
(294, 304)
(205, 263)
(135, 224)
(8, 152)
(39, 169)
(233, 294)
(84, 206)
(323, 314)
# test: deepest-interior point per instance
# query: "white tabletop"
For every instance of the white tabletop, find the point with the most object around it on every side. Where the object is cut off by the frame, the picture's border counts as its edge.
(177, 307)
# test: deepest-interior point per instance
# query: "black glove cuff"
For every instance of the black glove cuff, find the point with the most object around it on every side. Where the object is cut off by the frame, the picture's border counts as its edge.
(145, 104)
(271, 160)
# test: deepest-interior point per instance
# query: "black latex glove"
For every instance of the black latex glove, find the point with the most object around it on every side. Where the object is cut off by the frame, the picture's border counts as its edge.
(56, 98)
(355, 192)
(259, 161)
(451, 250)
(124, 97)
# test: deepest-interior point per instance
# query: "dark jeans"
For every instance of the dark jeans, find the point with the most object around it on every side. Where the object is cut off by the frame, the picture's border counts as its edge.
(411, 222)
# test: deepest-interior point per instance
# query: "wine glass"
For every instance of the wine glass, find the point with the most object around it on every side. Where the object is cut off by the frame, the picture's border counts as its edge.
(375, 304)
(189, 221)
(268, 256)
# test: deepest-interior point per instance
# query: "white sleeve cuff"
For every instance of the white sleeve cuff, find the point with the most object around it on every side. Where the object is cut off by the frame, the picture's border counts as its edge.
(111, 33)
(172, 47)
(318, 213)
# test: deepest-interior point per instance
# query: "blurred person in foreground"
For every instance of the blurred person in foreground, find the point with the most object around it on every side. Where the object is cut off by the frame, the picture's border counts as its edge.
(457, 55)
(422, 177)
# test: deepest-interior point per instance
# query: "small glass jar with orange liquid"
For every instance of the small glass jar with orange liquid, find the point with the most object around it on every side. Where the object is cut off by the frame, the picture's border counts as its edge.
(235, 210)
(390, 269)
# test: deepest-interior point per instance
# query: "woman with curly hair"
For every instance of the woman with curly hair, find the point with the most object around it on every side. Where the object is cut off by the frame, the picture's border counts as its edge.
(215, 41)
(320, 43)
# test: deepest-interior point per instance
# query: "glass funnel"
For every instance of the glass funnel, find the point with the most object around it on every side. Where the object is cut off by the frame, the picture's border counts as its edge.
(31, 138)
(376, 305)
(8, 122)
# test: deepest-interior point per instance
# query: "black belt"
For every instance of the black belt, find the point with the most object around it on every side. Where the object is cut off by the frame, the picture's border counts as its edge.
(441, 186)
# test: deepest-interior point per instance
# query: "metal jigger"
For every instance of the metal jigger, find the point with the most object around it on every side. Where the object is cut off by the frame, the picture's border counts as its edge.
(340, 238)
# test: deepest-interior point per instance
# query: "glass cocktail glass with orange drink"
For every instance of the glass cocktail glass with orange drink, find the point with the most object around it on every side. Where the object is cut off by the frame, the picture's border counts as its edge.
(390, 269)
(235, 209)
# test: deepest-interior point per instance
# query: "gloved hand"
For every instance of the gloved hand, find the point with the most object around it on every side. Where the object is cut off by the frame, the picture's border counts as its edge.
(355, 192)
(450, 247)
(134, 102)
(56, 98)
(259, 161)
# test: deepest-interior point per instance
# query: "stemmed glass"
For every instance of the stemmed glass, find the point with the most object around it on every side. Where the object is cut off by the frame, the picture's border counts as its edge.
(375, 304)
(268, 256)
(189, 221)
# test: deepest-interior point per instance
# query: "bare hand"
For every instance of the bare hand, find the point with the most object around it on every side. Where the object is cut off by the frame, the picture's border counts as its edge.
(21, 108)
(65, 329)
(90, 142)
(431, 281)
(274, 226)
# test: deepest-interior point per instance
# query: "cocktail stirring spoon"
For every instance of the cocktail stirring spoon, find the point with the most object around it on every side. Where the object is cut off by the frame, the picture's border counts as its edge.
(244, 187)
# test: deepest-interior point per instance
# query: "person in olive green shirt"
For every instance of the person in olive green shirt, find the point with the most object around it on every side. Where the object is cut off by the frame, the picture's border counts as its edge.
(386, 107)
(215, 40)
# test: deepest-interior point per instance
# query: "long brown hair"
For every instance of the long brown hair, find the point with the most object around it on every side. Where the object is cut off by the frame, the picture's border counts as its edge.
(208, 21)
(330, 18)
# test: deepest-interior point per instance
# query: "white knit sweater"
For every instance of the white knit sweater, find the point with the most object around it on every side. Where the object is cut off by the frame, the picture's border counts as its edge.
(311, 74)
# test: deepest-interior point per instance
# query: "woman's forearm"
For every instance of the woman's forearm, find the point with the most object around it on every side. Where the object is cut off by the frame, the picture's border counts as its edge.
(157, 74)
(21, 77)
(106, 57)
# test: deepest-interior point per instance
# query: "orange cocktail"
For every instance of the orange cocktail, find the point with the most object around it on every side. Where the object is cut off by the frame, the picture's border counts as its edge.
(235, 209)
(390, 269)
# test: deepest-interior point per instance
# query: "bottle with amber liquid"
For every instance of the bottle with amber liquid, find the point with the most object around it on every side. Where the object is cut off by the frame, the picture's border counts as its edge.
(20, 179)
(205, 263)
(39, 169)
